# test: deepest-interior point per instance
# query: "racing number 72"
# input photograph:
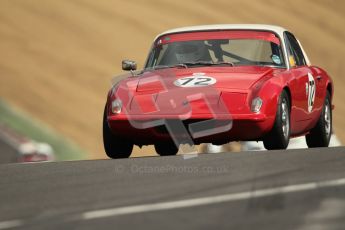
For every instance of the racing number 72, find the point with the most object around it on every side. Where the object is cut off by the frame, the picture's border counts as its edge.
(191, 81)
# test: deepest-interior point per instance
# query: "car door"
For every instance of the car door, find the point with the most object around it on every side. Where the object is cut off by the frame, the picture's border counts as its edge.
(303, 87)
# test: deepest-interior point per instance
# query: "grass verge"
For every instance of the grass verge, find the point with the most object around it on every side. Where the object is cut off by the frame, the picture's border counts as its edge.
(24, 124)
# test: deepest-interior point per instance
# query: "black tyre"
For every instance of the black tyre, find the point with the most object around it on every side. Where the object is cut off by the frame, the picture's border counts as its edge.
(166, 148)
(279, 136)
(320, 135)
(114, 146)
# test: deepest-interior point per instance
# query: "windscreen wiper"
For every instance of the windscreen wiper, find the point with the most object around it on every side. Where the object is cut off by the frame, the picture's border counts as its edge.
(202, 63)
(224, 63)
(188, 64)
(208, 63)
(170, 66)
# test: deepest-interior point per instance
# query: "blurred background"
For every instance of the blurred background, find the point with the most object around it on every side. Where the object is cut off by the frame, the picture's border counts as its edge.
(57, 58)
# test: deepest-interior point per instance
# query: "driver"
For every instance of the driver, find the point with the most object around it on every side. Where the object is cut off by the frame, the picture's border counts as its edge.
(193, 51)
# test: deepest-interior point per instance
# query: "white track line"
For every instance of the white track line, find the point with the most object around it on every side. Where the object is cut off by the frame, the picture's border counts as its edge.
(295, 143)
(10, 224)
(208, 200)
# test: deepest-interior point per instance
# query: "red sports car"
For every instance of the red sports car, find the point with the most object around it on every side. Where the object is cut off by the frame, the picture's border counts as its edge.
(217, 84)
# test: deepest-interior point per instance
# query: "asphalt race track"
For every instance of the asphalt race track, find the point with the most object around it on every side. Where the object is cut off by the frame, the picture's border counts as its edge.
(293, 189)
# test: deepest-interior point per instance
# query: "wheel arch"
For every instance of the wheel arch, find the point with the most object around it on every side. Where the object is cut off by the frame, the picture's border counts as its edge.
(287, 89)
(330, 89)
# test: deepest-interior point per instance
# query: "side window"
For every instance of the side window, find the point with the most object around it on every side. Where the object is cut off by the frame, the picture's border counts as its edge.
(294, 49)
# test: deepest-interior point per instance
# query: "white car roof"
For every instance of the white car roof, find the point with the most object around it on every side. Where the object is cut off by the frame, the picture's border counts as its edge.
(277, 29)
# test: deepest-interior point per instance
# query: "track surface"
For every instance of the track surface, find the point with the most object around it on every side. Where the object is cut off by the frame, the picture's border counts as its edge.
(57, 195)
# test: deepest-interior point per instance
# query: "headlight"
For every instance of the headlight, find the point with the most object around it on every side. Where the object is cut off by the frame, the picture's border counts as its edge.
(116, 106)
(256, 105)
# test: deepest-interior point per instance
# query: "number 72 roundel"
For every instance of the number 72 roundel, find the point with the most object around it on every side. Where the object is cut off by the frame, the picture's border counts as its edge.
(197, 80)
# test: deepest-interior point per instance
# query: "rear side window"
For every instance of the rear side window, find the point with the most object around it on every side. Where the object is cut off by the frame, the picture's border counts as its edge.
(294, 49)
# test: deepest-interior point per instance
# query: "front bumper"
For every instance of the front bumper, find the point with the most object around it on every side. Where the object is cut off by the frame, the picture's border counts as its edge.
(220, 128)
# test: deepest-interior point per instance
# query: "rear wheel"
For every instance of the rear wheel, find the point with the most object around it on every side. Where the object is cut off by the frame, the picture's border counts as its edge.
(320, 135)
(166, 148)
(114, 146)
(279, 136)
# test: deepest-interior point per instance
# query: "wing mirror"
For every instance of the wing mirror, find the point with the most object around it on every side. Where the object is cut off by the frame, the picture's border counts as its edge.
(129, 65)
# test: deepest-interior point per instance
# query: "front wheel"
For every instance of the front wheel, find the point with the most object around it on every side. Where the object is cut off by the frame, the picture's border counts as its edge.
(166, 148)
(279, 136)
(320, 135)
(114, 146)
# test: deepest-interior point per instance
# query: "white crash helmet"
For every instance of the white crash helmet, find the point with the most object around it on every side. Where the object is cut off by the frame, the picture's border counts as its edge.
(190, 51)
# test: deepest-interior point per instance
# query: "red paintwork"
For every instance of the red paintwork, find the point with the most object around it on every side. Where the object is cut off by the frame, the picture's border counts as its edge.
(147, 97)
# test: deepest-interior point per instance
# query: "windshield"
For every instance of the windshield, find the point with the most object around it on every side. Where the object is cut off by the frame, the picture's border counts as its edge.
(231, 48)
